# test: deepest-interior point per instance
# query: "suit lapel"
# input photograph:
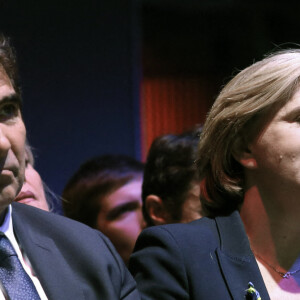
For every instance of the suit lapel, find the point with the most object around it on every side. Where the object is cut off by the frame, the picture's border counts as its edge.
(55, 276)
(237, 262)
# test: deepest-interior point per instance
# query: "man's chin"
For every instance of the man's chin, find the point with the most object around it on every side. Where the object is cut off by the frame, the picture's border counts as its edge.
(7, 195)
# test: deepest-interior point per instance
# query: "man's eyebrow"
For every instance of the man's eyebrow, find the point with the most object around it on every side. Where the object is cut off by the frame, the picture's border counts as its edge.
(123, 207)
(15, 98)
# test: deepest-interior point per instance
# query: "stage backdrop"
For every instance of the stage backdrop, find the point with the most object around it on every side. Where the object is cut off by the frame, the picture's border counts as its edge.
(79, 67)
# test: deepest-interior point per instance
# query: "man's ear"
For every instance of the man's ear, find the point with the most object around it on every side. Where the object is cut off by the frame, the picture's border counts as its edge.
(156, 210)
(242, 153)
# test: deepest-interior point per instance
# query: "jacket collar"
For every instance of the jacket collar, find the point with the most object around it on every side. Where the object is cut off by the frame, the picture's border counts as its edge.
(56, 277)
(236, 259)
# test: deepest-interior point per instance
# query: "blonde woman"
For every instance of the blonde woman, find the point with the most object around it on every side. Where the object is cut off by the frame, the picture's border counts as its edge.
(249, 159)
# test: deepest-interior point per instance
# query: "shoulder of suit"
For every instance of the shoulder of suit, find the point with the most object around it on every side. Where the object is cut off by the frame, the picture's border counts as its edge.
(196, 230)
(35, 217)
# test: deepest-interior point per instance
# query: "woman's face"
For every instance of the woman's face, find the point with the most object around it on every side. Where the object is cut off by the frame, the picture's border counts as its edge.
(32, 192)
(276, 151)
(121, 219)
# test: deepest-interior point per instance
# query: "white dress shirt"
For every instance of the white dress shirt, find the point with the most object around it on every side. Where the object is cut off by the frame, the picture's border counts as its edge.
(7, 229)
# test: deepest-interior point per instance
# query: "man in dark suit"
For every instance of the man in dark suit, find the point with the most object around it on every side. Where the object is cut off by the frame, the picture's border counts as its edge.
(57, 258)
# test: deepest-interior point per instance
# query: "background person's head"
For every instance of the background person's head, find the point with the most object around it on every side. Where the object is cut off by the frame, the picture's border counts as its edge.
(105, 193)
(238, 115)
(33, 189)
(12, 128)
(171, 186)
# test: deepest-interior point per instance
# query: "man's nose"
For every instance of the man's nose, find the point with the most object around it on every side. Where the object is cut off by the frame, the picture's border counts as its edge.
(4, 141)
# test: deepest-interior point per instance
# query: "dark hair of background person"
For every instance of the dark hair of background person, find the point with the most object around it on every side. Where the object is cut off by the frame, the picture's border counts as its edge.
(170, 170)
(95, 179)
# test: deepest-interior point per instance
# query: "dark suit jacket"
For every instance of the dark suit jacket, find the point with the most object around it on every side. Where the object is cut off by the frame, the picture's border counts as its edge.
(71, 260)
(205, 259)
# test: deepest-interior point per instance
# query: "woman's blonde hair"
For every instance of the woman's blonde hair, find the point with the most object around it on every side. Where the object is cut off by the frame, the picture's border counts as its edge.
(236, 116)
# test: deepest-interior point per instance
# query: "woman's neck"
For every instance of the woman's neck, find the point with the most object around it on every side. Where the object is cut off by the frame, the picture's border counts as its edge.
(273, 229)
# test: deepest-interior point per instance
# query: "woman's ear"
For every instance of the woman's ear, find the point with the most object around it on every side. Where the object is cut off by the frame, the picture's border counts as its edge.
(242, 153)
(156, 210)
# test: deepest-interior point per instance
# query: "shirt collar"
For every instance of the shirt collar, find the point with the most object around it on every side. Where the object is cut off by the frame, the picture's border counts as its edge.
(7, 228)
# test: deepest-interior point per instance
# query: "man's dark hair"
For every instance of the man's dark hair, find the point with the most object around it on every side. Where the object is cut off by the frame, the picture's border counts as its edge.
(95, 179)
(170, 170)
(8, 62)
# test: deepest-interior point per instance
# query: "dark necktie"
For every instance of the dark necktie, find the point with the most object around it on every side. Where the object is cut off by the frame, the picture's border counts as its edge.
(15, 280)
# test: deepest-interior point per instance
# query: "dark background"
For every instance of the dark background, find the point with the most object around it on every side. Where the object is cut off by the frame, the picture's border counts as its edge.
(78, 79)
(82, 64)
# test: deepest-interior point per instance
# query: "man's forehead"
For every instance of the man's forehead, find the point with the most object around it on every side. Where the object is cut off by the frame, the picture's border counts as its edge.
(6, 88)
(4, 79)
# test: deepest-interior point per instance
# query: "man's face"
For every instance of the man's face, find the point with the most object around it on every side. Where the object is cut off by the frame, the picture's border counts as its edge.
(12, 143)
(121, 218)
